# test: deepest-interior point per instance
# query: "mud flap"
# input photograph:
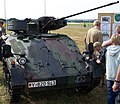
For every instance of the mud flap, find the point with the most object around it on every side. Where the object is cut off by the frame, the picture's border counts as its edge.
(98, 69)
(17, 76)
(98, 72)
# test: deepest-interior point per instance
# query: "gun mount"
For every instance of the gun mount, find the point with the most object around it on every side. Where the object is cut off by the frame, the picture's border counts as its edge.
(43, 24)
(35, 25)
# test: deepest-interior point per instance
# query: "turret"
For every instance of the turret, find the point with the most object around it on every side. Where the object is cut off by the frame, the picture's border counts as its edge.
(40, 25)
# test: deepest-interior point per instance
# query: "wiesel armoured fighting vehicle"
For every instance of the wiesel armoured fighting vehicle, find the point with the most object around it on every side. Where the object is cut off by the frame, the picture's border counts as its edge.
(35, 60)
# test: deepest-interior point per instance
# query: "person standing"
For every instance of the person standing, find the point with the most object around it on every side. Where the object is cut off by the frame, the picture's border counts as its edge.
(2, 29)
(112, 61)
(94, 34)
(2, 32)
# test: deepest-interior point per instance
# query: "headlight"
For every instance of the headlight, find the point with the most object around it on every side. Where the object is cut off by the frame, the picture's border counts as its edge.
(22, 60)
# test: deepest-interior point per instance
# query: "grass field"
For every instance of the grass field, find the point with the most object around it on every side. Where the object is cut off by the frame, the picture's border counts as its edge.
(97, 96)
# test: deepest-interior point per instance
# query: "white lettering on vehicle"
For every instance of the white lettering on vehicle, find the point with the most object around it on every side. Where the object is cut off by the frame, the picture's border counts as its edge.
(41, 84)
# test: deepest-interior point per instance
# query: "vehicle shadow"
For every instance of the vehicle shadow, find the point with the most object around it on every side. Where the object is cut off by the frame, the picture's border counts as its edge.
(69, 96)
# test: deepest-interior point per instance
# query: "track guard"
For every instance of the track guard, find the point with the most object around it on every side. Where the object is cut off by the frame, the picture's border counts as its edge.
(17, 76)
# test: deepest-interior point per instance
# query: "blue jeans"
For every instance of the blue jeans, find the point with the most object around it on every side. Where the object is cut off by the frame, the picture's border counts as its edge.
(111, 95)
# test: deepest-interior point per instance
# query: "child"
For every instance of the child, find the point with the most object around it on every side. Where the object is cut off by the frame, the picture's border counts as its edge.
(112, 62)
(96, 54)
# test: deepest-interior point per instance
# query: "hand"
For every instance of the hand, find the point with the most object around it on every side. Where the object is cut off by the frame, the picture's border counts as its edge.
(115, 86)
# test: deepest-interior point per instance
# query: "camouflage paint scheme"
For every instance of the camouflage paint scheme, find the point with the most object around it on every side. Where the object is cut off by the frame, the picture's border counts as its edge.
(51, 57)
(53, 61)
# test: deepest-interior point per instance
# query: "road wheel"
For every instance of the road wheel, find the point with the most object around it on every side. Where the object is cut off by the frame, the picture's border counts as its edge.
(14, 96)
(14, 93)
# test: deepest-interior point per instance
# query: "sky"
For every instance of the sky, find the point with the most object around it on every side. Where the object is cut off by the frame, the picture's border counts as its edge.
(22, 9)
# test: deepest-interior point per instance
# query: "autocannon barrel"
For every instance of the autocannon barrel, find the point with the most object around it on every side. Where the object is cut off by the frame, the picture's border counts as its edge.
(63, 18)
(89, 10)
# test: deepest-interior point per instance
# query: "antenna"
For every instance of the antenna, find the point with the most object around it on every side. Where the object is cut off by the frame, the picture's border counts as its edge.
(45, 7)
(5, 16)
(5, 8)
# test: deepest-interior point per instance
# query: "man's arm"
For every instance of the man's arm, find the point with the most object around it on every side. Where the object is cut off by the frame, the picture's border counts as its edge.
(117, 80)
(85, 42)
(106, 43)
(100, 38)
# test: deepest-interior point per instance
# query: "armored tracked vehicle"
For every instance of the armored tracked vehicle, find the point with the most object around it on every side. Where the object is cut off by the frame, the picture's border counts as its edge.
(36, 60)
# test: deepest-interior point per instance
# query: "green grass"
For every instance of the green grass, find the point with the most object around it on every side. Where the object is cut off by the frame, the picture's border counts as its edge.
(3, 93)
(97, 96)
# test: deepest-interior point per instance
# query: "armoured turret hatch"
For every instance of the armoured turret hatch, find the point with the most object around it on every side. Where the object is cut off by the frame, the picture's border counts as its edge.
(41, 25)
